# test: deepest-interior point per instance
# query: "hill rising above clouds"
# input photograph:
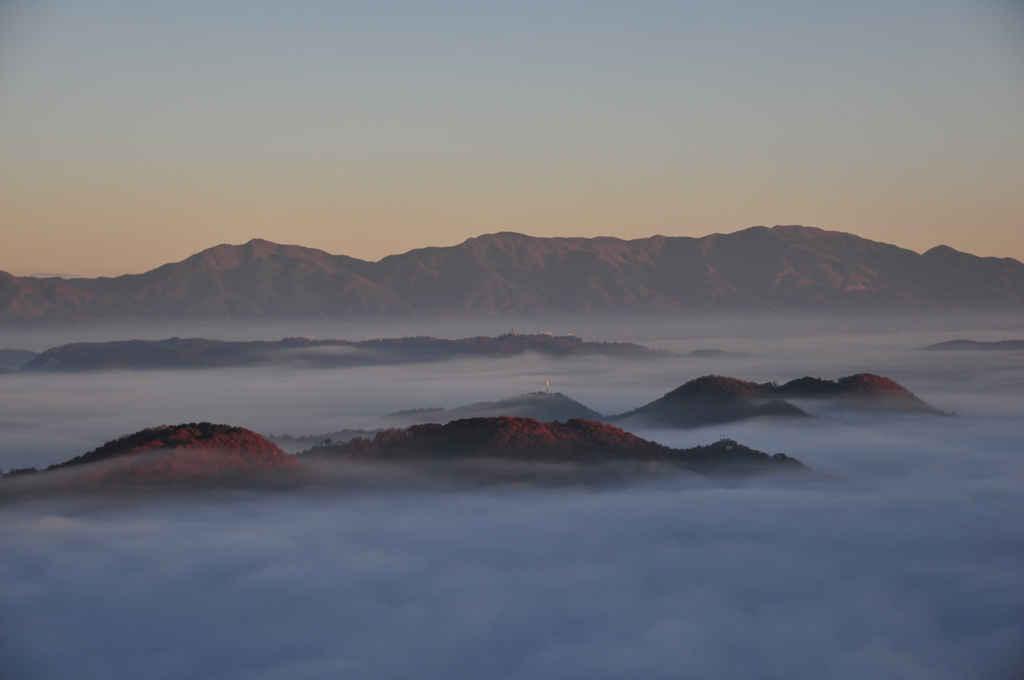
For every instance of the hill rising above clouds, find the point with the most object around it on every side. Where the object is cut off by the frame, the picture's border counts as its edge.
(721, 399)
(777, 269)
(186, 454)
(209, 455)
(528, 440)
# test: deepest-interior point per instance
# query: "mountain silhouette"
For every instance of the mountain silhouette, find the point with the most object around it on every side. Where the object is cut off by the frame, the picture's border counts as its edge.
(783, 268)
(707, 400)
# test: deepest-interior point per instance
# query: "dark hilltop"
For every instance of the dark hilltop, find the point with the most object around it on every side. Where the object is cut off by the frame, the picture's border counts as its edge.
(707, 400)
(718, 399)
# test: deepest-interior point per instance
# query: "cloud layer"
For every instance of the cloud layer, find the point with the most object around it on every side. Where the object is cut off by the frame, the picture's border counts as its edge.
(905, 562)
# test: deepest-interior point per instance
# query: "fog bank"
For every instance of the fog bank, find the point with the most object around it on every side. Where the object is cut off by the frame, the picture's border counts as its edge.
(905, 560)
(759, 580)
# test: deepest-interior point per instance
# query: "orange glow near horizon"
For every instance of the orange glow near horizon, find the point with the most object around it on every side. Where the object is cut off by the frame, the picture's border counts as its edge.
(132, 137)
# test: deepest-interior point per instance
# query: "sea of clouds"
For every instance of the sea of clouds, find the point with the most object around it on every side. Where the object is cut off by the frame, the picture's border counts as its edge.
(903, 558)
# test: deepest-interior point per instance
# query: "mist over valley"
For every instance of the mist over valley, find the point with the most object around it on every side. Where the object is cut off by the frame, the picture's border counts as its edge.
(899, 557)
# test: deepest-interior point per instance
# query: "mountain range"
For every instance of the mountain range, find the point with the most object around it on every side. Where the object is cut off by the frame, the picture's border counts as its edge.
(783, 268)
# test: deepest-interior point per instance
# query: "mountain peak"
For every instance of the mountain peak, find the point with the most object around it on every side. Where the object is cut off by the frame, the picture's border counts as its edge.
(799, 230)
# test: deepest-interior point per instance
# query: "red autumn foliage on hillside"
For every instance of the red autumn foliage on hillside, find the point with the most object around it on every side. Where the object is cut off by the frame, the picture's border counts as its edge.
(501, 437)
(188, 454)
(867, 383)
(720, 385)
(527, 440)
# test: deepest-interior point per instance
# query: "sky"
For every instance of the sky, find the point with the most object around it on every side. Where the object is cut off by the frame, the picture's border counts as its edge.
(134, 134)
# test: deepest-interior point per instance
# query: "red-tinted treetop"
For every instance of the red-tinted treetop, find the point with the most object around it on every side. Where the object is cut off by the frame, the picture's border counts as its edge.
(502, 437)
(525, 439)
(191, 453)
(184, 436)
(720, 385)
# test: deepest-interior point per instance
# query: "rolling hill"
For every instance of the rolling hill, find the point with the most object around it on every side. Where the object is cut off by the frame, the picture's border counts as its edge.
(528, 440)
(184, 455)
(720, 399)
(207, 455)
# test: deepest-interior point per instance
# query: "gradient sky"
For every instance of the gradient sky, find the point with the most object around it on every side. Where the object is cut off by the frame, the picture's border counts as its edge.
(133, 134)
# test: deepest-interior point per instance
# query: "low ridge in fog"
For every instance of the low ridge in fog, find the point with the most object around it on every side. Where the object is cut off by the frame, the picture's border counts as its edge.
(185, 353)
(976, 346)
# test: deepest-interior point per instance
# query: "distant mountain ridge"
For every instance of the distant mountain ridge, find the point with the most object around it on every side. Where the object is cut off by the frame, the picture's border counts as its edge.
(783, 268)
(192, 353)
(976, 346)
